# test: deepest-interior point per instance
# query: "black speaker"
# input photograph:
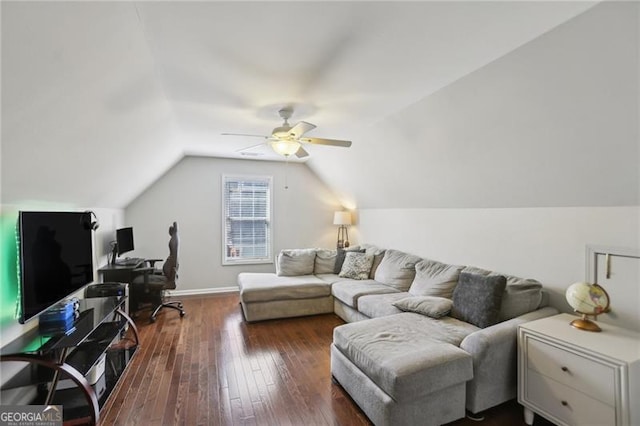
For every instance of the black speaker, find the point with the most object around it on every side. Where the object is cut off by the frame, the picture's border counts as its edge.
(106, 290)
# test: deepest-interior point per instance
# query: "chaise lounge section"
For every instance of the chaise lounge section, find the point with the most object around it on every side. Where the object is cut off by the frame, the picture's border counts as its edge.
(267, 296)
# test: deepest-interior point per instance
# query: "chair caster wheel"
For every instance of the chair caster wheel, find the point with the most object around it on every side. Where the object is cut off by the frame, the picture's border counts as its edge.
(182, 313)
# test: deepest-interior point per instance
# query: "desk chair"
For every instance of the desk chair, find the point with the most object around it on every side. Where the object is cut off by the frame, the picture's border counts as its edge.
(150, 285)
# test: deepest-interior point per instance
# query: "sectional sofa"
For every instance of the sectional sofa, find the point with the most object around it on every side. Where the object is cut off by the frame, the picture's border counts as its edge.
(425, 341)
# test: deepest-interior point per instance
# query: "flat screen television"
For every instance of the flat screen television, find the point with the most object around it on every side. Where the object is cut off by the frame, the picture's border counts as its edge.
(56, 258)
(124, 240)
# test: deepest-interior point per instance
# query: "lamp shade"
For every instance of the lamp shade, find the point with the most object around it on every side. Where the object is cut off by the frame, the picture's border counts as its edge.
(342, 218)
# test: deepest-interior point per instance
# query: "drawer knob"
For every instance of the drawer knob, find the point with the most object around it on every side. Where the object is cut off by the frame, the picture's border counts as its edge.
(564, 403)
(565, 369)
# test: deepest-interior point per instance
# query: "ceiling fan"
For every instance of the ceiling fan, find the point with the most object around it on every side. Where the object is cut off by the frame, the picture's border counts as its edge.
(287, 140)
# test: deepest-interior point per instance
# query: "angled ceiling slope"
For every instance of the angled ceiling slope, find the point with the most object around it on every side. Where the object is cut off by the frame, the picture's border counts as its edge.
(100, 98)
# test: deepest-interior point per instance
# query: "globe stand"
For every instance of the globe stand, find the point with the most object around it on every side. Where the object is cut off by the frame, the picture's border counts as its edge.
(585, 323)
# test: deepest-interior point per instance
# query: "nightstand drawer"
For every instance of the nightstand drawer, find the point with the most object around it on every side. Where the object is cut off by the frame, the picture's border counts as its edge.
(565, 403)
(583, 374)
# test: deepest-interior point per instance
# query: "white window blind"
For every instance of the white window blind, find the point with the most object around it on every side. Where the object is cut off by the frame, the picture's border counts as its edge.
(247, 219)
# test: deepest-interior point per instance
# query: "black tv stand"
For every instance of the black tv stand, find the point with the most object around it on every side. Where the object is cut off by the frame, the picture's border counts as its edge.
(53, 356)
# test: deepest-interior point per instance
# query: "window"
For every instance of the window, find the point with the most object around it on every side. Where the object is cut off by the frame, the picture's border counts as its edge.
(246, 219)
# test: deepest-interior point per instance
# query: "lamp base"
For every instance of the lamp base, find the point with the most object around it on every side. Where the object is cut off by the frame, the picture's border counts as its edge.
(343, 237)
(585, 324)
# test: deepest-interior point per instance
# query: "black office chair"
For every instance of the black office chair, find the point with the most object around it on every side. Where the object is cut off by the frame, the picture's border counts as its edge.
(150, 286)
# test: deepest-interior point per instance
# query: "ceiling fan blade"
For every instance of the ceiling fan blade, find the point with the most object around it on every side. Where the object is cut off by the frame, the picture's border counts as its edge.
(301, 128)
(322, 141)
(301, 153)
(243, 134)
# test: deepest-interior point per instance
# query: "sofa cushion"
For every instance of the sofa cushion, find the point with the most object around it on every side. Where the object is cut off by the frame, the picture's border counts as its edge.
(380, 305)
(477, 298)
(329, 278)
(434, 307)
(435, 279)
(349, 291)
(264, 287)
(378, 255)
(521, 295)
(325, 261)
(295, 262)
(356, 266)
(407, 355)
(341, 256)
(397, 269)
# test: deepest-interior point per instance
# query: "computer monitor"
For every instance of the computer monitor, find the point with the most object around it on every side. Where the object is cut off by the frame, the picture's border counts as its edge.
(124, 240)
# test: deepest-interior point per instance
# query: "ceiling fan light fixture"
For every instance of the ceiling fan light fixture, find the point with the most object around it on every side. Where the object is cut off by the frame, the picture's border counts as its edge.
(285, 148)
(281, 132)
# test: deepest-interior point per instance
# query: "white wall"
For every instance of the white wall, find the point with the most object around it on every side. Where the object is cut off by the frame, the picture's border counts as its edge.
(553, 123)
(81, 104)
(547, 244)
(190, 193)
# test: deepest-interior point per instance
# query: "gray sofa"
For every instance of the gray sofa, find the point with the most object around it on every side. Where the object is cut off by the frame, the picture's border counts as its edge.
(399, 361)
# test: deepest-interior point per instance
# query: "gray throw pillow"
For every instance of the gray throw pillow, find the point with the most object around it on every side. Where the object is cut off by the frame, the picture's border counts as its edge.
(477, 299)
(521, 295)
(434, 307)
(356, 266)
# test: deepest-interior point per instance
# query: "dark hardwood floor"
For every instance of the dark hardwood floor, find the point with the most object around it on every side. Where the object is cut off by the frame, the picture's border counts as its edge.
(212, 368)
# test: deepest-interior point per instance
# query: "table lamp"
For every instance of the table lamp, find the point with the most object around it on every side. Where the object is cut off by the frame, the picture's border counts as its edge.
(342, 219)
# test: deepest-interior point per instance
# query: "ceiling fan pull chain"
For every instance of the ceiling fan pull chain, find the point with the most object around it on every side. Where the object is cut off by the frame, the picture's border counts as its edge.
(286, 172)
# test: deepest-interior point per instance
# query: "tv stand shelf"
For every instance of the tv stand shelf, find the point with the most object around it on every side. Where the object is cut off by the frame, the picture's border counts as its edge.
(71, 354)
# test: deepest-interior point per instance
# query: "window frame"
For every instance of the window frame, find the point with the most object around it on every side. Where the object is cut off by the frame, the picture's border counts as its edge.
(229, 261)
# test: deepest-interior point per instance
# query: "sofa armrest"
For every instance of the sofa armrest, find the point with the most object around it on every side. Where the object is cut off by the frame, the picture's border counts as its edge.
(494, 354)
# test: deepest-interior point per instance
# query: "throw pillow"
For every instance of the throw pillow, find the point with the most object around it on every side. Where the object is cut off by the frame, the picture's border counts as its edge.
(325, 261)
(521, 295)
(292, 263)
(356, 266)
(477, 299)
(341, 255)
(435, 279)
(434, 307)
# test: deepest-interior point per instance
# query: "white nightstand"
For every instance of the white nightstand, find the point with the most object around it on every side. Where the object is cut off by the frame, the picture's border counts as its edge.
(575, 377)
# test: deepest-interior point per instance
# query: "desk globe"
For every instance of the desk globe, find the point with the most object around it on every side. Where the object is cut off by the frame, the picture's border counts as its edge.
(587, 300)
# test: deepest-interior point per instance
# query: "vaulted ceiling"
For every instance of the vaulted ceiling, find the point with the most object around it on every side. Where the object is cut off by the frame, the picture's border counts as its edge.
(99, 99)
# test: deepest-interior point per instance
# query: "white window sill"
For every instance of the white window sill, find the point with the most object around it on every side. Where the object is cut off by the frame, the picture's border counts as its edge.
(247, 262)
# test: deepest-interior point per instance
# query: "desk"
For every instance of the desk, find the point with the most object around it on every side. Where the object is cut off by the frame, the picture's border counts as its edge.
(122, 274)
(75, 352)
(119, 273)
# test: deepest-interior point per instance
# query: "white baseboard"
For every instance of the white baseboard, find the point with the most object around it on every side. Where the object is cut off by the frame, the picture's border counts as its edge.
(204, 291)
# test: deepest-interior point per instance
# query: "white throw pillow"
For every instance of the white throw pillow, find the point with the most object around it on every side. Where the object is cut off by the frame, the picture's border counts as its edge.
(356, 266)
